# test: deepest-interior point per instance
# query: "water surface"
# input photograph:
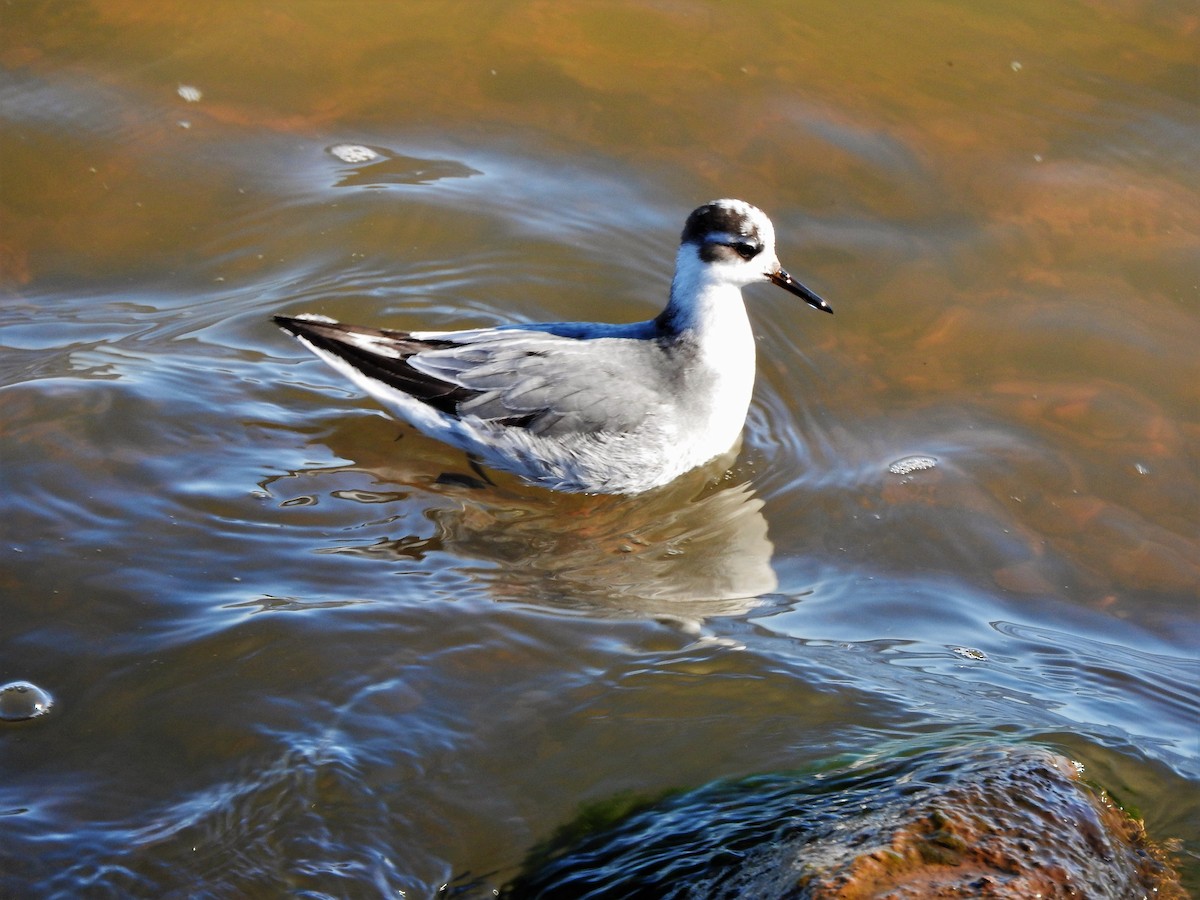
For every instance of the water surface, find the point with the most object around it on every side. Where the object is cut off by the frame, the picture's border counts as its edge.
(289, 654)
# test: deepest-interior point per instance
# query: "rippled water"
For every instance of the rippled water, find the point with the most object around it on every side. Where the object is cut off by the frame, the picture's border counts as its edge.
(291, 647)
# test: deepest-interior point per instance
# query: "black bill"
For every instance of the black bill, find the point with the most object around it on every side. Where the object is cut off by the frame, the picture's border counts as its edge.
(790, 284)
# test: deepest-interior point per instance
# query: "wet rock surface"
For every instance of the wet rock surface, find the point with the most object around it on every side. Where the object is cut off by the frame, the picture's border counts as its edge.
(999, 822)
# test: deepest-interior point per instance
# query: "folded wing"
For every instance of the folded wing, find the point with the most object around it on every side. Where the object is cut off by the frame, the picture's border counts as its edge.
(546, 383)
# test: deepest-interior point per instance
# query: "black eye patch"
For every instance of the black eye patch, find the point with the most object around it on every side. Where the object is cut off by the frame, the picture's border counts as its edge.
(722, 247)
(745, 249)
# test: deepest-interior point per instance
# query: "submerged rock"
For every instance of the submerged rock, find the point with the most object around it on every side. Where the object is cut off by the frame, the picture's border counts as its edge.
(991, 821)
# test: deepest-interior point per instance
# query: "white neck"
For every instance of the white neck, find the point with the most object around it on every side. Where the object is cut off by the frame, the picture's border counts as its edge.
(705, 301)
(707, 317)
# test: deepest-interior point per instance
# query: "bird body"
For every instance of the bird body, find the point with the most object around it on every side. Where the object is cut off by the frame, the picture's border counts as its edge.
(586, 407)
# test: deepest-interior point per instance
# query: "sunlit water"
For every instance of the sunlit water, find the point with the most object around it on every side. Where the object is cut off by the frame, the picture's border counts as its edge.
(292, 646)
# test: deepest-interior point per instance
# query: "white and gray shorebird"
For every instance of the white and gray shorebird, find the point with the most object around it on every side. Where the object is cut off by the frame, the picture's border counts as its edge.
(581, 406)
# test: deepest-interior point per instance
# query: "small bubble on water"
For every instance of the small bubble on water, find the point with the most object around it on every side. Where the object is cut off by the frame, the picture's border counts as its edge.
(969, 653)
(353, 153)
(911, 464)
(1141, 469)
(189, 93)
(21, 700)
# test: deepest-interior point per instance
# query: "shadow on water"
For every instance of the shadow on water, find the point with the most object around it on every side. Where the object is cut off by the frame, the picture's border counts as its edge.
(379, 167)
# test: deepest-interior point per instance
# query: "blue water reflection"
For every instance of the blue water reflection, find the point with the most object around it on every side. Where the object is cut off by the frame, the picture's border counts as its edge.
(295, 647)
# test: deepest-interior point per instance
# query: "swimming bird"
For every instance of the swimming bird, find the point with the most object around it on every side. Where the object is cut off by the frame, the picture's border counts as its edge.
(585, 406)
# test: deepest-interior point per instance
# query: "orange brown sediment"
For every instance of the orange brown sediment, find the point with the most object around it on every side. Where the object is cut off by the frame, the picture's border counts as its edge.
(1028, 828)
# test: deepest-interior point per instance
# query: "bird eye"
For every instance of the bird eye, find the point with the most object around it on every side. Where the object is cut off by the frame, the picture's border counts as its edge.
(745, 249)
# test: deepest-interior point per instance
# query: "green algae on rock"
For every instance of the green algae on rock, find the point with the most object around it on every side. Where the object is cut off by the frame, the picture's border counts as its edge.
(978, 821)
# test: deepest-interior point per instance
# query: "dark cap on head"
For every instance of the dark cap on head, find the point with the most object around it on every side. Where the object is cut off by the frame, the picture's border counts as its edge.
(718, 217)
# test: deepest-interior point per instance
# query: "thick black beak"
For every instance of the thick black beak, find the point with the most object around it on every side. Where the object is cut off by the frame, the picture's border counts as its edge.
(790, 284)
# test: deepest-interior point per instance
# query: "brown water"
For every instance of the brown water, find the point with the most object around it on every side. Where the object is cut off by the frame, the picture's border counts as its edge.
(286, 660)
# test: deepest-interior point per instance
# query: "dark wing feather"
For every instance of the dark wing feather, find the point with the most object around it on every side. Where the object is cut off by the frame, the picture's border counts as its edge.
(547, 383)
(383, 356)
